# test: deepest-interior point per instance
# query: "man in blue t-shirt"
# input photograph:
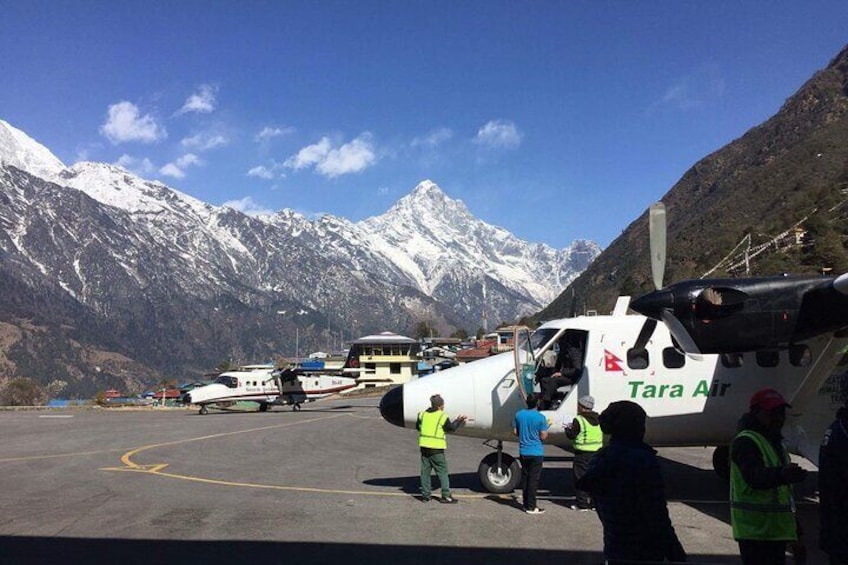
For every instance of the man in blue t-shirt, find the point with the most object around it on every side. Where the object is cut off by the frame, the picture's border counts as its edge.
(531, 427)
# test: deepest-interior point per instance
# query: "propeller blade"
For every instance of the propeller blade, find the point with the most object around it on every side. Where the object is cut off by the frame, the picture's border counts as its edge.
(681, 336)
(645, 333)
(657, 229)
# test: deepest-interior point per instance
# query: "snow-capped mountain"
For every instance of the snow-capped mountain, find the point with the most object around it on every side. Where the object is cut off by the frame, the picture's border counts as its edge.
(143, 272)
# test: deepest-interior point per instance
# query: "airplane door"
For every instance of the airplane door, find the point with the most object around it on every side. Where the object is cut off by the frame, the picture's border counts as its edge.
(525, 361)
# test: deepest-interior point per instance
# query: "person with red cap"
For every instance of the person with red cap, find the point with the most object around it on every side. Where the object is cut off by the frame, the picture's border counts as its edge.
(762, 511)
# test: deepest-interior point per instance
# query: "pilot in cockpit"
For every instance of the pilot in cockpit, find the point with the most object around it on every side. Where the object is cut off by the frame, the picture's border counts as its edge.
(566, 370)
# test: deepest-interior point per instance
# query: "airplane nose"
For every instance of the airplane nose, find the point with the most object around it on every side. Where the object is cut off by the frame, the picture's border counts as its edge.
(654, 303)
(391, 406)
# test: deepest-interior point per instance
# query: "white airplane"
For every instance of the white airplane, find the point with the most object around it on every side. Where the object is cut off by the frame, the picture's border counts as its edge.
(693, 375)
(267, 386)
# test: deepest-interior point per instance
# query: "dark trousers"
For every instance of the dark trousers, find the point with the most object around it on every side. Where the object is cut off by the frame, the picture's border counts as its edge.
(432, 460)
(531, 473)
(549, 386)
(760, 552)
(581, 463)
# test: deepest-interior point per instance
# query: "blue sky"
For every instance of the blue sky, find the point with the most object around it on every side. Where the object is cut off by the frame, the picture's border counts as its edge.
(554, 120)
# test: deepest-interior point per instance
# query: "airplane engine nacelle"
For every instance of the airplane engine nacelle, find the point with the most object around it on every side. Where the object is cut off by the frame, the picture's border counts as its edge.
(726, 315)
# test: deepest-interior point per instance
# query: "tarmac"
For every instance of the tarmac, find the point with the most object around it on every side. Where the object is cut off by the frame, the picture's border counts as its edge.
(332, 483)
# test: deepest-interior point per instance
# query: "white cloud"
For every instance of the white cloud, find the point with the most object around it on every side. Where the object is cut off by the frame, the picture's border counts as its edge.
(434, 138)
(188, 159)
(171, 170)
(124, 123)
(202, 101)
(204, 141)
(330, 161)
(178, 167)
(261, 172)
(268, 133)
(499, 134)
(135, 165)
(694, 89)
(247, 206)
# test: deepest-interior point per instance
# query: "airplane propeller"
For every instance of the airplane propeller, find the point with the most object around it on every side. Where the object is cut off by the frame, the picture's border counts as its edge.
(657, 230)
(655, 304)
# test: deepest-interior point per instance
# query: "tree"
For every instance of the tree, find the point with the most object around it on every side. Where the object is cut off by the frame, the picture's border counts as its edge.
(423, 329)
(460, 334)
(22, 391)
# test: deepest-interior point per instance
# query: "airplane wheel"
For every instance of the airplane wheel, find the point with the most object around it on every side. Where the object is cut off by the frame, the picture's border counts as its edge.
(203, 409)
(721, 461)
(263, 407)
(499, 481)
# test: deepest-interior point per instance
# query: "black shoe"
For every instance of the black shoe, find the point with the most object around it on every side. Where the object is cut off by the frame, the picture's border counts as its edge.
(425, 499)
(448, 500)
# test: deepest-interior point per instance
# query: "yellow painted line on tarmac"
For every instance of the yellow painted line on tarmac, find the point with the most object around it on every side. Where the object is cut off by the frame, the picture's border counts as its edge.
(157, 469)
(126, 458)
(61, 455)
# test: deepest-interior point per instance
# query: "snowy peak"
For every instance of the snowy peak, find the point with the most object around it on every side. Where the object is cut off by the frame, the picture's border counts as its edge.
(19, 150)
(114, 186)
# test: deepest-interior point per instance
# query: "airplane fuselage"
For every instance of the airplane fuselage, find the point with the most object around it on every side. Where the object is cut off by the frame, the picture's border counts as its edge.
(689, 401)
(260, 386)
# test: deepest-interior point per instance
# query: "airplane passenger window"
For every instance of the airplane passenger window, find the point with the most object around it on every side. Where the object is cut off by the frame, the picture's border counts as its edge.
(800, 356)
(731, 360)
(637, 358)
(768, 358)
(673, 359)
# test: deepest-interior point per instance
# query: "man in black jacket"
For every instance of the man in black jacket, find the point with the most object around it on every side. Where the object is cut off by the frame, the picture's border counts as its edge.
(626, 482)
(567, 371)
(833, 488)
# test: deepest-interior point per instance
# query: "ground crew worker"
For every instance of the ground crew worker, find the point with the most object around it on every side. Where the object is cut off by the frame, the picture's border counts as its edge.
(433, 424)
(587, 438)
(762, 512)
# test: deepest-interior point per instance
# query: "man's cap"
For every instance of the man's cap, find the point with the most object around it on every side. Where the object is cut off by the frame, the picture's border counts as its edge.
(768, 399)
(586, 402)
(436, 401)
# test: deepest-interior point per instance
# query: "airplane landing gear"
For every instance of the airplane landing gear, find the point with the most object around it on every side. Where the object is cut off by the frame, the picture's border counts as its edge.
(203, 410)
(263, 406)
(499, 472)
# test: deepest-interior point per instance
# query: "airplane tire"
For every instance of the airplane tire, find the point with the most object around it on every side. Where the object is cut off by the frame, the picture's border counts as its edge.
(721, 461)
(263, 406)
(203, 409)
(493, 479)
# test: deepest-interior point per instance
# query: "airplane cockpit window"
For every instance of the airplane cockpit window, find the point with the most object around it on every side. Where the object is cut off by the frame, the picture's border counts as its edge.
(672, 358)
(638, 358)
(540, 337)
(800, 356)
(731, 360)
(229, 382)
(768, 358)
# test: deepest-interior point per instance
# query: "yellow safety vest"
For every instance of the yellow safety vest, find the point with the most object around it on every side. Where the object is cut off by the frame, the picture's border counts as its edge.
(761, 514)
(590, 438)
(432, 432)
